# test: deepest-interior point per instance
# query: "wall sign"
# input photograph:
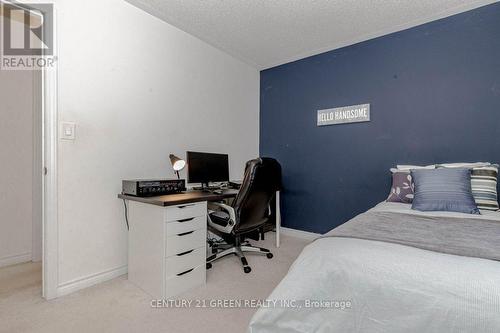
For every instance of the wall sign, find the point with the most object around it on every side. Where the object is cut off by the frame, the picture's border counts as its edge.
(344, 115)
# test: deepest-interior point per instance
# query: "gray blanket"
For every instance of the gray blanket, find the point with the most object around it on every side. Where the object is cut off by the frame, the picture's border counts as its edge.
(471, 237)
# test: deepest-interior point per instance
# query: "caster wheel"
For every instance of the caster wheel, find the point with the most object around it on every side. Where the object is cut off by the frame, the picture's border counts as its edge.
(269, 255)
(247, 269)
(209, 265)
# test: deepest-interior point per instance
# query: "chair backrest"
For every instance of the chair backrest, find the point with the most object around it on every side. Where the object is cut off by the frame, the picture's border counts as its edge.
(261, 181)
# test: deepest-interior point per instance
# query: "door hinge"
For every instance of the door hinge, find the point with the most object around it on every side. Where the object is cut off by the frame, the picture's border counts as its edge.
(45, 171)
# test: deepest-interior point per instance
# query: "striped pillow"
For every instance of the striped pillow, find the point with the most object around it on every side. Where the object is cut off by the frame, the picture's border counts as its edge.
(484, 187)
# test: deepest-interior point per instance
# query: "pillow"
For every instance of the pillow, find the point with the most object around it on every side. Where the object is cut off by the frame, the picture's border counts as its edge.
(402, 184)
(484, 184)
(402, 187)
(410, 167)
(446, 189)
(463, 165)
(484, 187)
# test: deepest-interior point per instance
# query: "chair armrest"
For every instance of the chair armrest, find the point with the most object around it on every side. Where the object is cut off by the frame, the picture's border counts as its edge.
(228, 209)
(232, 218)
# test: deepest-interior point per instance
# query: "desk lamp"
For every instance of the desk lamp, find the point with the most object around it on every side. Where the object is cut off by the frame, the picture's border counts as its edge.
(177, 164)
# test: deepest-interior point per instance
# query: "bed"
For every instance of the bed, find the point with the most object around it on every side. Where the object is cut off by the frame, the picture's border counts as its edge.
(393, 269)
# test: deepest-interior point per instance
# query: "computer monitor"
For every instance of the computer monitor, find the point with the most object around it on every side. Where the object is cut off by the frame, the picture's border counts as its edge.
(207, 167)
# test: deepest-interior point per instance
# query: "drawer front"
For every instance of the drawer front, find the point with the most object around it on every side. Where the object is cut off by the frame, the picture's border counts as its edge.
(175, 213)
(179, 284)
(185, 242)
(185, 225)
(184, 262)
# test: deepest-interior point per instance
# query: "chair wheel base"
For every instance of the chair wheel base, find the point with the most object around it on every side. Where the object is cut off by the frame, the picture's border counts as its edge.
(269, 255)
(209, 265)
(247, 269)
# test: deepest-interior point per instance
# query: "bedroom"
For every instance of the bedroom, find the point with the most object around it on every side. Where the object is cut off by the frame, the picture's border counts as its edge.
(137, 81)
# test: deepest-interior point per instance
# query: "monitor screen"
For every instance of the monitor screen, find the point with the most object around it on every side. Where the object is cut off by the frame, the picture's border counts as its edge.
(207, 167)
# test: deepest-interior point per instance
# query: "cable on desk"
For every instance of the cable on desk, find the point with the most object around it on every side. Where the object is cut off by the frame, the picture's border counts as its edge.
(126, 213)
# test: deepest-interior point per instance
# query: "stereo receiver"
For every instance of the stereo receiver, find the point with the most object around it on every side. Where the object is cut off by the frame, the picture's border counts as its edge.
(150, 188)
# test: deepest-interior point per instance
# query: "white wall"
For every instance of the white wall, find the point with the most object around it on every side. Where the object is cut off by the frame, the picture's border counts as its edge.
(16, 166)
(138, 89)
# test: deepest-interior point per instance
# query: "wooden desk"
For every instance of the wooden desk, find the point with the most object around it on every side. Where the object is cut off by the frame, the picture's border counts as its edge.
(182, 198)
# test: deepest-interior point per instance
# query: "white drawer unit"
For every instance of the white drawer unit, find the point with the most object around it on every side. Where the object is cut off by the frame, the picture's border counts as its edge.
(187, 241)
(184, 225)
(167, 247)
(183, 262)
(185, 281)
(179, 212)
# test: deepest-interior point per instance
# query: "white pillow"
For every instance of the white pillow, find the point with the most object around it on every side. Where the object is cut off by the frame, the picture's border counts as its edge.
(464, 165)
(409, 167)
(394, 170)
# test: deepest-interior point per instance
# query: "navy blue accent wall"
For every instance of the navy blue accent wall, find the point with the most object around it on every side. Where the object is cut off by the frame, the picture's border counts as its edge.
(434, 92)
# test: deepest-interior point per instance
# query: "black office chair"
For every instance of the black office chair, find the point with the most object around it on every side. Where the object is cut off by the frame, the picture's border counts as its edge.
(249, 211)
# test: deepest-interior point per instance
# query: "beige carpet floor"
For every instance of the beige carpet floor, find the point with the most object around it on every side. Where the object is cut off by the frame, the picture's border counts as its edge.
(119, 306)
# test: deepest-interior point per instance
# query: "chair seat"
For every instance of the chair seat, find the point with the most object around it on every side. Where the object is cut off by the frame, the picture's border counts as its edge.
(220, 217)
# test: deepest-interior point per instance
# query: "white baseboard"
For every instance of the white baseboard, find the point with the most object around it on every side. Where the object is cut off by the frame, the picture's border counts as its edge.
(15, 259)
(90, 280)
(299, 233)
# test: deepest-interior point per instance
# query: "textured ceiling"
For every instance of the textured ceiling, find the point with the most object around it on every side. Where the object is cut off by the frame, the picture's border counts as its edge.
(266, 33)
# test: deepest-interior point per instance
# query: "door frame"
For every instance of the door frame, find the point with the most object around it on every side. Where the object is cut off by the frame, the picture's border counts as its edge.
(50, 179)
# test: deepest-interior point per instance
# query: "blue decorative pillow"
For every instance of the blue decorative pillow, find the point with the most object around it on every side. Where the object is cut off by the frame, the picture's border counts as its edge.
(443, 190)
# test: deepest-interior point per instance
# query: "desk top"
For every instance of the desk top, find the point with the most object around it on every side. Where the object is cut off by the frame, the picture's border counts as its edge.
(181, 198)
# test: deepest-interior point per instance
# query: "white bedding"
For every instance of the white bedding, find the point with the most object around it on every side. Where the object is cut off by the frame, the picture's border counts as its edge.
(392, 287)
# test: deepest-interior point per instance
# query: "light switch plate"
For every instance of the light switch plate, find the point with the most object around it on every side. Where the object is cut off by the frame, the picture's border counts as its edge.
(67, 131)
